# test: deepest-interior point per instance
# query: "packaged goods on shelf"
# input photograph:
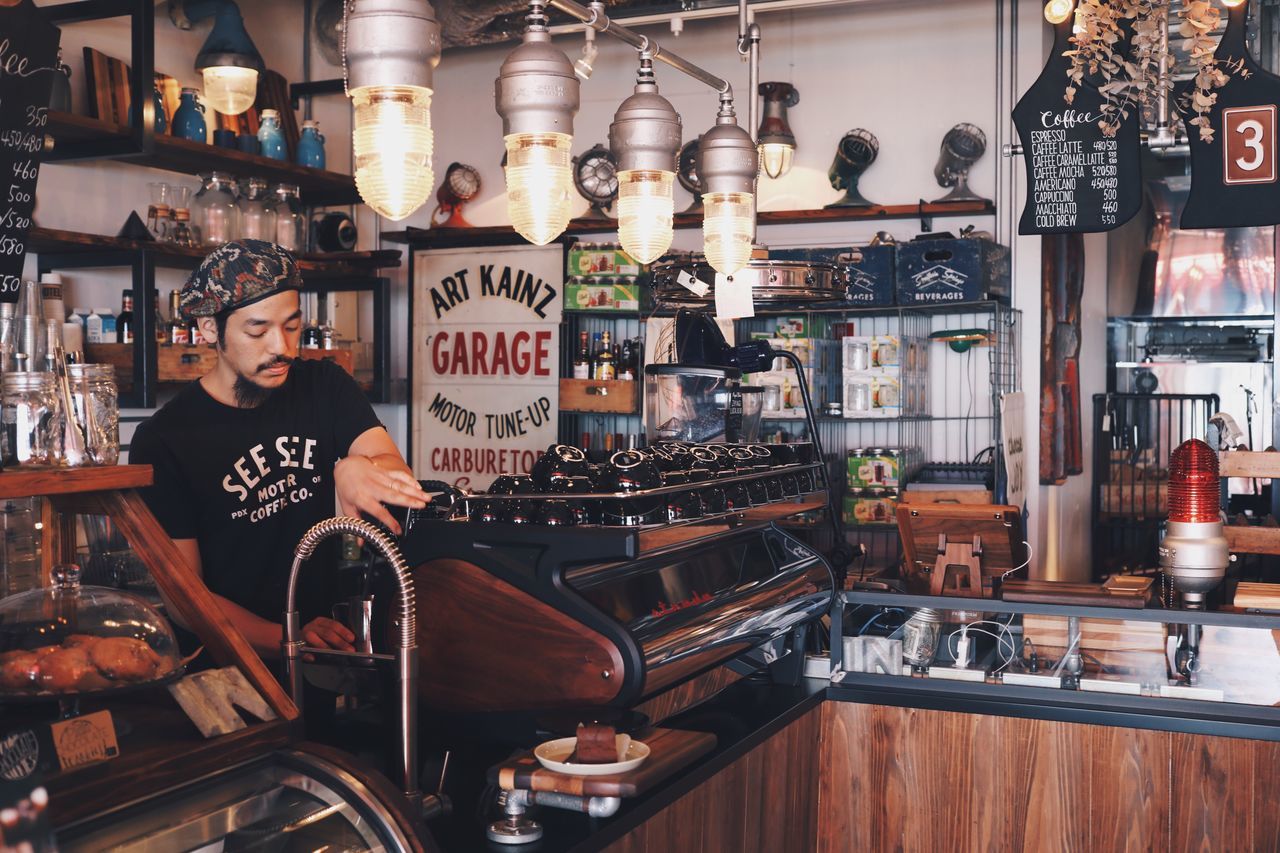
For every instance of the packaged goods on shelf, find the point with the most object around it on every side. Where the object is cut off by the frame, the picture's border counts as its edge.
(814, 353)
(875, 467)
(950, 270)
(872, 394)
(871, 506)
(592, 260)
(865, 352)
(614, 293)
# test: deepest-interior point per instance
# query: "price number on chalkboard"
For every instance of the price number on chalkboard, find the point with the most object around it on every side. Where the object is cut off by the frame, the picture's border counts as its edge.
(1249, 149)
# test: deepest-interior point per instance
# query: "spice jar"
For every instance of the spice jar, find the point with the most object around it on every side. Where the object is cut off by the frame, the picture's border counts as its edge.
(32, 419)
(96, 384)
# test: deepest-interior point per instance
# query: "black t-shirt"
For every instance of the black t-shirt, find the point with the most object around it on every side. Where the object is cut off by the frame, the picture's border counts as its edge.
(248, 483)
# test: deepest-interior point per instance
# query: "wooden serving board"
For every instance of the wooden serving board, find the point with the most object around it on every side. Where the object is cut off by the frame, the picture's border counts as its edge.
(669, 751)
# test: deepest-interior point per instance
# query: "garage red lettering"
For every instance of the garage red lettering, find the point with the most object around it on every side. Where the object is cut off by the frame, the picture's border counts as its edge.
(478, 353)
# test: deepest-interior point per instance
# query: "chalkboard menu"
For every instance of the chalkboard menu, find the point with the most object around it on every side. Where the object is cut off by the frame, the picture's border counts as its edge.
(28, 61)
(1078, 179)
(1233, 177)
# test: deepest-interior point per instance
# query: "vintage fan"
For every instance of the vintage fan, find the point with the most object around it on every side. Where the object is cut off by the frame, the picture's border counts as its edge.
(461, 184)
(595, 174)
(856, 152)
(687, 174)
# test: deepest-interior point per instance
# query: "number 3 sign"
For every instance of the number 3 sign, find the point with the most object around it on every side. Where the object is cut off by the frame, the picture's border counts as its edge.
(1232, 177)
(1249, 145)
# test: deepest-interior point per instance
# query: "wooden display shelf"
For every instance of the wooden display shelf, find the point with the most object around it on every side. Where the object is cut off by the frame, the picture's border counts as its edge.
(175, 154)
(1250, 464)
(443, 236)
(180, 364)
(591, 396)
(22, 483)
(313, 264)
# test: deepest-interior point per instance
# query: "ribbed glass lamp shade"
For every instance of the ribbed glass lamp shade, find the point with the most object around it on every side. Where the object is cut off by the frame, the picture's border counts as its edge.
(393, 143)
(775, 158)
(539, 184)
(646, 206)
(229, 89)
(727, 230)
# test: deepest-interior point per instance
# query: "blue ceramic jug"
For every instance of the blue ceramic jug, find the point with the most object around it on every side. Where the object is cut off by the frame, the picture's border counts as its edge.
(311, 146)
(188, 118)
(271, 137)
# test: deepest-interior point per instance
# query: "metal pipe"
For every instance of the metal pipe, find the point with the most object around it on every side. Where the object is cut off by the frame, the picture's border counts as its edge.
(729, 10)
(605, 24)
(753, 79)
(406, 620)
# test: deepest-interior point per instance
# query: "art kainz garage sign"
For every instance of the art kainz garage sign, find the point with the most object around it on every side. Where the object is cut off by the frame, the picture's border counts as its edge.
(1079, 180)
(486, 361)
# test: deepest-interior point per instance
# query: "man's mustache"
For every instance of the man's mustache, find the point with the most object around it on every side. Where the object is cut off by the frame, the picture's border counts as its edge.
(278, 360)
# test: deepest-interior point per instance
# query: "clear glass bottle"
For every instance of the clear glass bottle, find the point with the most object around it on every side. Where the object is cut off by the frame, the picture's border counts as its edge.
(217, 210)
(96, 384)
(258, 216)
(32, 420)
(291, 219)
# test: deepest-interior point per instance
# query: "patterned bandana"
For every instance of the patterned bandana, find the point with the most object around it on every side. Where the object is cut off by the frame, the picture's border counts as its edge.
(236, 274)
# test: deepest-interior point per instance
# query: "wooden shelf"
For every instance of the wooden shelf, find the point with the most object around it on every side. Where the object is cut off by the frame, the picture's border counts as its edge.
(427, 237)
(21, 483)
(317, 186)
(313, 265)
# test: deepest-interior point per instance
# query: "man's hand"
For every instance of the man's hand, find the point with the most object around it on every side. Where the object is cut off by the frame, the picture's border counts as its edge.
(364, 487)
(325, 633)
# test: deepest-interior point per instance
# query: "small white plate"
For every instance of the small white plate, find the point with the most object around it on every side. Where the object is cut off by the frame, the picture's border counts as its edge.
(553, 753)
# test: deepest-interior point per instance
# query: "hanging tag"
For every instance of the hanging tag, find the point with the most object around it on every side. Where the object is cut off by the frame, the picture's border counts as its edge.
(733, 299)
(690, 282)
(1106, 423)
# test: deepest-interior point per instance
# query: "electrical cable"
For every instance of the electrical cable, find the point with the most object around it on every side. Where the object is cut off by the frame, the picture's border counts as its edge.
(1025, 563)
(873, 619)
(1005, 636)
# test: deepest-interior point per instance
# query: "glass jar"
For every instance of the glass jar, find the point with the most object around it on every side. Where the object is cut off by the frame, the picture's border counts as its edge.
(32, 420)
(217, 210)
(291, 219)
(96, 383)
(258, 215)
(920, 635)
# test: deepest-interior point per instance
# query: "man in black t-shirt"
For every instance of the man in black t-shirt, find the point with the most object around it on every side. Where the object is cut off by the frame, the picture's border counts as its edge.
(251, 455)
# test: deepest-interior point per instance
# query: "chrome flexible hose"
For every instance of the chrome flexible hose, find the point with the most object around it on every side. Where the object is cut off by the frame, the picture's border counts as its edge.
(384, 545)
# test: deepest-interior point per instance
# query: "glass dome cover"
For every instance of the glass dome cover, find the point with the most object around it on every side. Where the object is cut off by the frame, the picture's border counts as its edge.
(70, 639)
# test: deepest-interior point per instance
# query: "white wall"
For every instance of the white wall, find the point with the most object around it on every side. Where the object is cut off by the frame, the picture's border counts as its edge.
(907, 71)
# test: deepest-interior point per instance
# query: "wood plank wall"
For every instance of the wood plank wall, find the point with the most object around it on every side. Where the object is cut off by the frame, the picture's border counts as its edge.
(765, 802)
(913, 780)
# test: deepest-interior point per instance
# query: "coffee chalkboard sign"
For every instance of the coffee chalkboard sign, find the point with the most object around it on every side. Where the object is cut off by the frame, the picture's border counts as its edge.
(1078, 179)
(1233, 177)
(28, 61)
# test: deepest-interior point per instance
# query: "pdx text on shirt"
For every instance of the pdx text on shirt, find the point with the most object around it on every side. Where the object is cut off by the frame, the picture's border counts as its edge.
(254, 479)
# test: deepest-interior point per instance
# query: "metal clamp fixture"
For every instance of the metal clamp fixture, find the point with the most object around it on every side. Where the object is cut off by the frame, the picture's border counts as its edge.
(406, 654)
(515, 828)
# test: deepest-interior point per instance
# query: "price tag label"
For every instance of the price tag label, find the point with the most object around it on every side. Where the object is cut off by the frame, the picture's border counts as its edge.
(1249, 149)
(733, 299)
(690, 282)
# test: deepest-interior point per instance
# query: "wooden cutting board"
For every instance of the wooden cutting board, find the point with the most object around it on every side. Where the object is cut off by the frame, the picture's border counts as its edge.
(669, 751)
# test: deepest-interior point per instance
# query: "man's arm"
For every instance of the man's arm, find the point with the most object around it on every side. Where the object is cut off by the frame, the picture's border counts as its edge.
(264, 635)
(374, 473)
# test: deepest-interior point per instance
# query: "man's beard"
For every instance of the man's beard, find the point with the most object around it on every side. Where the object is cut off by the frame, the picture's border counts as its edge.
(249, 394)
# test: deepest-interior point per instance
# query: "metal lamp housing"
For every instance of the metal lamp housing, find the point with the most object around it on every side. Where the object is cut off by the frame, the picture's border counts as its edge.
(228, 43)
(392, 43)
(537, 90)
(646, 132)
(774, 127)
(728, 161)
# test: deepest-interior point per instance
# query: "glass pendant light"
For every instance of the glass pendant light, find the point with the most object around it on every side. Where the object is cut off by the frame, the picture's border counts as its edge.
(644, 139)
(777, 142)
(392, 48)
(228, 59)
(728, 163)
(1057, 11)
(537, 97)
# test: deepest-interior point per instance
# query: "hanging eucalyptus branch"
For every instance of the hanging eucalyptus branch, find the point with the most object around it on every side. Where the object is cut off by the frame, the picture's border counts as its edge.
(1130, 78)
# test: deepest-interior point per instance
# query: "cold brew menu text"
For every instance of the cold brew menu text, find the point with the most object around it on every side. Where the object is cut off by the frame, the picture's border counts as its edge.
(1078, 178)
(28, 60)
